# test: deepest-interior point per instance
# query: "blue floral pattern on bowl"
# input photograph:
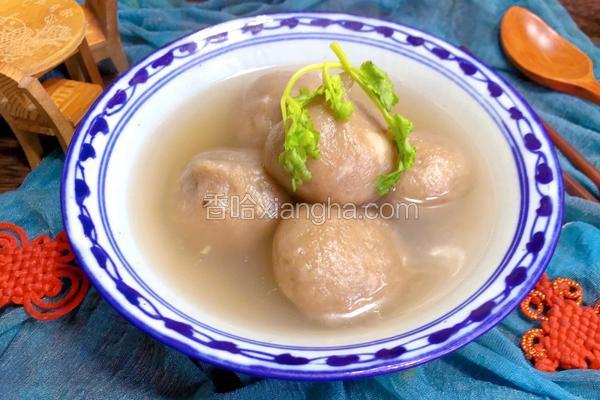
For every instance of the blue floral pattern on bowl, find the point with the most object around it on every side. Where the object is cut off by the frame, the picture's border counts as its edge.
(533, 244)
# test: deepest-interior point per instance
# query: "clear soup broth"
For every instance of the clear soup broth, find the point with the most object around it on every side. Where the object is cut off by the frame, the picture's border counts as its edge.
(444, 244)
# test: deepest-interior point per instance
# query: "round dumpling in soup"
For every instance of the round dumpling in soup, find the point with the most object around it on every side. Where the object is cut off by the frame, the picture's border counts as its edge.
(261, 108)
(440, 173)
(353, 155)
(224, 196)
(337, 268)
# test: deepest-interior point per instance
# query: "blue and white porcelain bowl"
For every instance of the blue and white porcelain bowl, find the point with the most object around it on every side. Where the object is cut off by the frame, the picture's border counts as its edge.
(102, 156)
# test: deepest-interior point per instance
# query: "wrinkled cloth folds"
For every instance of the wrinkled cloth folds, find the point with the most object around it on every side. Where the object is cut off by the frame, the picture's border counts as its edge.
(94, 353)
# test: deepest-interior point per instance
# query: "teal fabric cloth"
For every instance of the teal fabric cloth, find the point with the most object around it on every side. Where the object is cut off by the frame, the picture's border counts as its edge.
(94, 353)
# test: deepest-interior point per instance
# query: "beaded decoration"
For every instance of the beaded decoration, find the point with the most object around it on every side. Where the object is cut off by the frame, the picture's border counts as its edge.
(569, 334)
(39, 274)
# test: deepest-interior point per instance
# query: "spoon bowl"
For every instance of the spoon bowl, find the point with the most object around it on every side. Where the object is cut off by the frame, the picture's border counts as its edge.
(545, 56)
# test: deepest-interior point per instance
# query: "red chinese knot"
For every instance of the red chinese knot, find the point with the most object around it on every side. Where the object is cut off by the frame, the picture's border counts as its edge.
(569, 334)
(38, 274)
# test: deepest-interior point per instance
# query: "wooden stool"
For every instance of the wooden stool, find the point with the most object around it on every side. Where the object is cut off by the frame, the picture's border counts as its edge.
(103, 33)
(53, 108)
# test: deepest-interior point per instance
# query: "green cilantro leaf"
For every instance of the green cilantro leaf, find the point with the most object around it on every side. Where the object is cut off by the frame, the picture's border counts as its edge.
(379, 84)
(301, 140)
(400, 128)
(335, 96)
(305, 97)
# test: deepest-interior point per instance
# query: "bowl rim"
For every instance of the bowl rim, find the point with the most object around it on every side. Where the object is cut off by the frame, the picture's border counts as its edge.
(320, 375)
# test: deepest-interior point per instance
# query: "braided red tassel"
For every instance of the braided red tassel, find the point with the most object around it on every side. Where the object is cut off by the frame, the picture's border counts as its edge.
(39, 274)
(569, 335)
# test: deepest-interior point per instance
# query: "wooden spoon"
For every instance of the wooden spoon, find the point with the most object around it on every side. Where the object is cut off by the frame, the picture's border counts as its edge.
(545, 56)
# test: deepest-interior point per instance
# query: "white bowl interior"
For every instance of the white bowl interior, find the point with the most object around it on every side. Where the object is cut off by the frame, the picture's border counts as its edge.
(487, 140)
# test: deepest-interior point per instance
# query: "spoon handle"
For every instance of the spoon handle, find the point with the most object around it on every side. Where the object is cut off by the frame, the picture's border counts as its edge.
(576, 189)
(590, 90)
(576, 158)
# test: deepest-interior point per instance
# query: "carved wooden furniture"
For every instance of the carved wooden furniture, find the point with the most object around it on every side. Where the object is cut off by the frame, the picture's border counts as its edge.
(53, 108)
(38, 35)
(103, 34)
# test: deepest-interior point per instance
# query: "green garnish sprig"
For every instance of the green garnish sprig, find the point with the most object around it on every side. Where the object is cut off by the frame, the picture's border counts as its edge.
(301, 138)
